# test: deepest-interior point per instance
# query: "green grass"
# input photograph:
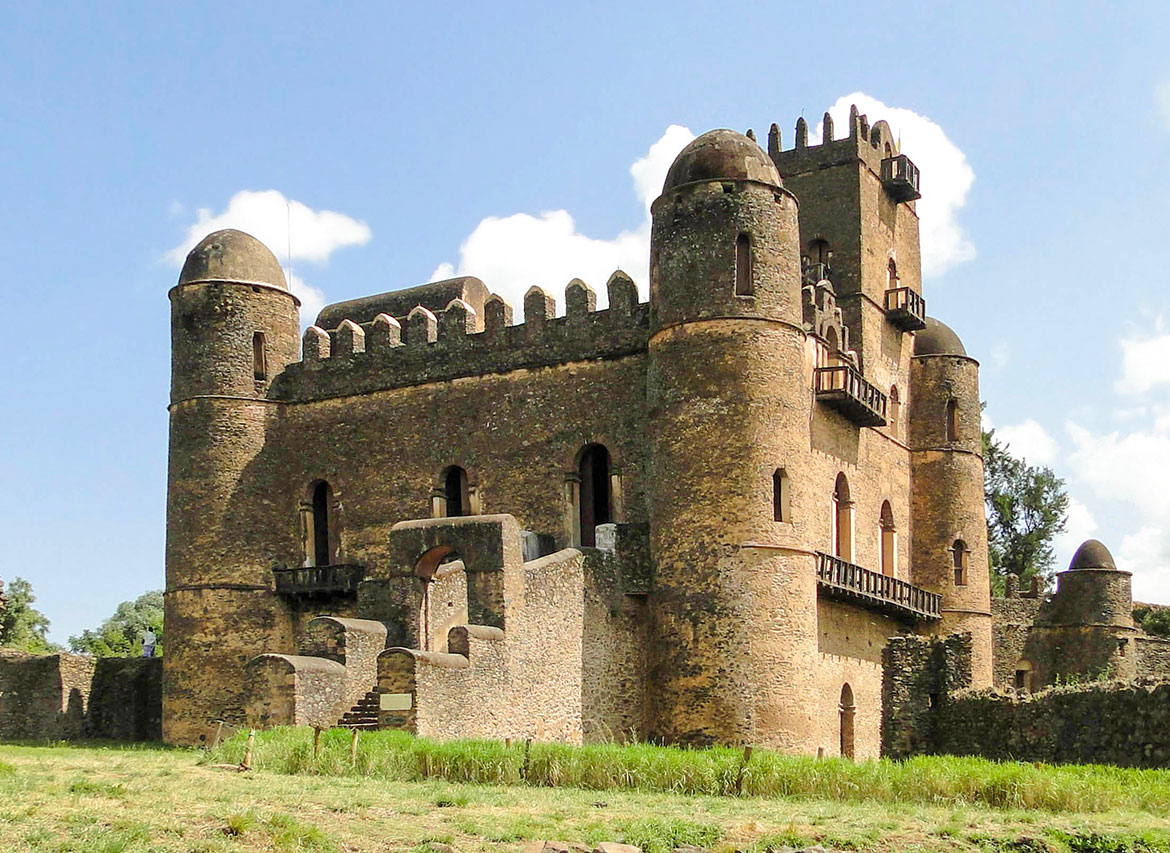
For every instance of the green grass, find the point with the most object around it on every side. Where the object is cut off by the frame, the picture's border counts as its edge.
(137, 799)
(934, 780)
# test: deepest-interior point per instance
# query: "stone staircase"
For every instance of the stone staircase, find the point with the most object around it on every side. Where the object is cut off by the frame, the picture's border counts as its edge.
(363, 715)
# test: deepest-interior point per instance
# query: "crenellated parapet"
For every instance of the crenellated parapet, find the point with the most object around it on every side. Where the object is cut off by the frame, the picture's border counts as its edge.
(361, 357)
(872, 144)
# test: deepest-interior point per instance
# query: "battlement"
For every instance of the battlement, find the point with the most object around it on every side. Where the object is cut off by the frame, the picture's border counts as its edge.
(361, 356)
(870, 144)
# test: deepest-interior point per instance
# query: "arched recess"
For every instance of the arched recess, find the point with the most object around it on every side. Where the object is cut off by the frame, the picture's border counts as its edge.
(820, 253)
(842, 520)
(848, 711)
(959, 558)
(743, 265)
(321, 526)
(889, 540)
(259, 356)
(895, 410)
(891, 274)
(594, 494)
(426, 570)
(781, 496)
(952, 416)
(456, 494)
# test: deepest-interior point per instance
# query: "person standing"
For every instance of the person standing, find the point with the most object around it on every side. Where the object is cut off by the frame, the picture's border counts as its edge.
(148, 642)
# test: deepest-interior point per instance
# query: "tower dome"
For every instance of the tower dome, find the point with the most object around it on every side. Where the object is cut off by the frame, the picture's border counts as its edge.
(721, 155)
(1092, 555)
(937, 338)
(231, 255)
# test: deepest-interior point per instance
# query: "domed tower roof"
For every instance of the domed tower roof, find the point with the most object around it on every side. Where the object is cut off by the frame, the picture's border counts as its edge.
(1092, 555)
(721, 155)
(937, 339)
(232, 255)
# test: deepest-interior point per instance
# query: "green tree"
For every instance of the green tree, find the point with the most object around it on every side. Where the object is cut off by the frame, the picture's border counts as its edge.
(121, 634)
(1153, 620)
(22, 626)
(1026, 508)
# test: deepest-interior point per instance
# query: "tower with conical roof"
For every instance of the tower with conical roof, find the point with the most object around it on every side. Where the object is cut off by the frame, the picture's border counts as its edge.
(234, 326)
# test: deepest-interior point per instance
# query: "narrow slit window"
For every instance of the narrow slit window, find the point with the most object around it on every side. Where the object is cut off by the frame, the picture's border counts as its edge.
(456, 493)
(322, 545)
(889, 540)
(892, 275)
(959, 554)
(743, 265)
(781, 496)
(595, 506)
(259, 356)
(842, 520)
(895, 410)
(952, 420)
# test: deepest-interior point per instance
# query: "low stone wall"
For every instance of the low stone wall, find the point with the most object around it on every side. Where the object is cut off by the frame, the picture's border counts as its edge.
(1153, 657)
(294, 690)
(65, 697)
(1107, 723)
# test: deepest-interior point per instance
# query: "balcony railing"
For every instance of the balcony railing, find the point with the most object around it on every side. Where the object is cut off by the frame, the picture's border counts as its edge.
(906, 309)
(814, 273)
(319, 580)
(846, 390)
(841, 579)
(900, 178)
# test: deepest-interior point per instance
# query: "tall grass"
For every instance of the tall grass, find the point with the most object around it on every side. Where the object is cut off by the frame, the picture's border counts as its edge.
(937, 780)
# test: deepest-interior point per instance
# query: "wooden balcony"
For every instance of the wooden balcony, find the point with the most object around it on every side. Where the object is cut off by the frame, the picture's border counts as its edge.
(906, 309)
(900, 178)
(815, 273)
(844, 389)
(315, 581)
(840, 579)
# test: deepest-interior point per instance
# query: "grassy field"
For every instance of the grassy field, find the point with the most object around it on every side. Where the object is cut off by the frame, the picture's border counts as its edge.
(107, 799)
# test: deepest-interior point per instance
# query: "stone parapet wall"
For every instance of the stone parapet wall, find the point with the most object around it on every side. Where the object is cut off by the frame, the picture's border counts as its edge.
(66, 697)
(1153, 657)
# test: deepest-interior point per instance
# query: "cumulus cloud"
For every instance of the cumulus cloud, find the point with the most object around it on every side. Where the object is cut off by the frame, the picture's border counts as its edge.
(1080, 524)
(1145, 361)
(1029, 441)
(946, 177)
(1147, 554)
(290, 228)
(512, 253)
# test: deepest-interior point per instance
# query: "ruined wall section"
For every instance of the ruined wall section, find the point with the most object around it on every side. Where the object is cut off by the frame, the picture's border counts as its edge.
(1153, 657)
(1012, 619)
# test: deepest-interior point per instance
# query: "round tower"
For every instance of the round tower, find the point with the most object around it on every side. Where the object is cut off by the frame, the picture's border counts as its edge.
(234, 326)
(1086, 629)
(948, 517)
(734, 597)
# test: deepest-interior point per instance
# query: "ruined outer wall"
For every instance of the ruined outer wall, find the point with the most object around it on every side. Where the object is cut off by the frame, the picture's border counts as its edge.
(1012, 620)
(1153, 655)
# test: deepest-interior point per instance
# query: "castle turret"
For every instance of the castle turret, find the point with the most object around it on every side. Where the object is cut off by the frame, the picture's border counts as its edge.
(234, 326)
(949, 527)
(734, 597)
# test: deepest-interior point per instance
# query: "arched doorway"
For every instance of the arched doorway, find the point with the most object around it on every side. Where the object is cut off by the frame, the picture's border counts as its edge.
(456, 494)
(425, 570)
(595, 504)
(847, 711)
(322, 550)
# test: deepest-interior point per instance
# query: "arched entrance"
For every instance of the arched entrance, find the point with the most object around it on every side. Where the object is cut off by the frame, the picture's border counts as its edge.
(594, 495)
(847, 711)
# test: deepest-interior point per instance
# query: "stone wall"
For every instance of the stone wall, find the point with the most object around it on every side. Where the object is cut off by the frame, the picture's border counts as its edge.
(1153, 657)
(65, 697)
(920, 675)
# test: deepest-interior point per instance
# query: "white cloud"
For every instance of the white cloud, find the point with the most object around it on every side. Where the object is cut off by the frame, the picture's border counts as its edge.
(512, 253)
(946, 177)
(1145, 361)
(1080, 524)
(1029, 441)
(312, 299)
(1001, 355)
(1146, 553)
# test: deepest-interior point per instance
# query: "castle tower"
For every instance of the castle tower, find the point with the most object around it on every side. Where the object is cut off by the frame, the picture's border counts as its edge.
(734, 597)
(857, 218)
(234, 326)
(949, 530)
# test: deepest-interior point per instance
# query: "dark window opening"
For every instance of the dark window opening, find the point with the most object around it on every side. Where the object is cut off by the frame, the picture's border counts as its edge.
(259, 357)
(959, 560)
(781, 497)
(743, 265)
(456, 492)
(848, 711)
(892, 275)
(595, 497)
(322, 498)
(952, 420)
(889, 540)
(820, 253)
(842, 520)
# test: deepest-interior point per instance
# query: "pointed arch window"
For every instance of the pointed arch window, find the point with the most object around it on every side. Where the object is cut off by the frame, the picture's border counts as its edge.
(743, 265)
(781, 496)
(842, 520)
(959, 559)
(889, 540)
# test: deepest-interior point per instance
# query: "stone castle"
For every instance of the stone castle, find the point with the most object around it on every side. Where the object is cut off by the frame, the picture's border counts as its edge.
(699, 519)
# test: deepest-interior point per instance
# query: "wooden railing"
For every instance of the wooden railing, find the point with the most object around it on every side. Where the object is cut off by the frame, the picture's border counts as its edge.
(845, 389)
(905, 308)
(319, 580)
(900, 178)
(842, 579)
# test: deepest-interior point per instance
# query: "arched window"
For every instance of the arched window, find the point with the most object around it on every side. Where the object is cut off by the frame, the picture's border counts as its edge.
(743, 265)
(456, 494)
(820, 253)
(952, 420)
(895, 410)
(259, 356)
(323, 539)
(848, 711)
(889, 537)
(781, 496)
(842, 520)
(889, 150)
(892, 275)
(594, 495)
(959, 554)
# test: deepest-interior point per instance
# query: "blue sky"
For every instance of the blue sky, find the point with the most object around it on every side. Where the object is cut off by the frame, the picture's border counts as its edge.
(415, 123)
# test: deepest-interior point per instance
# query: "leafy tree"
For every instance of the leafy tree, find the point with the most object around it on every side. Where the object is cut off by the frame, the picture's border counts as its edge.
(22, 626)
(1153, 620)
(121, 634)
(1026, 508)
